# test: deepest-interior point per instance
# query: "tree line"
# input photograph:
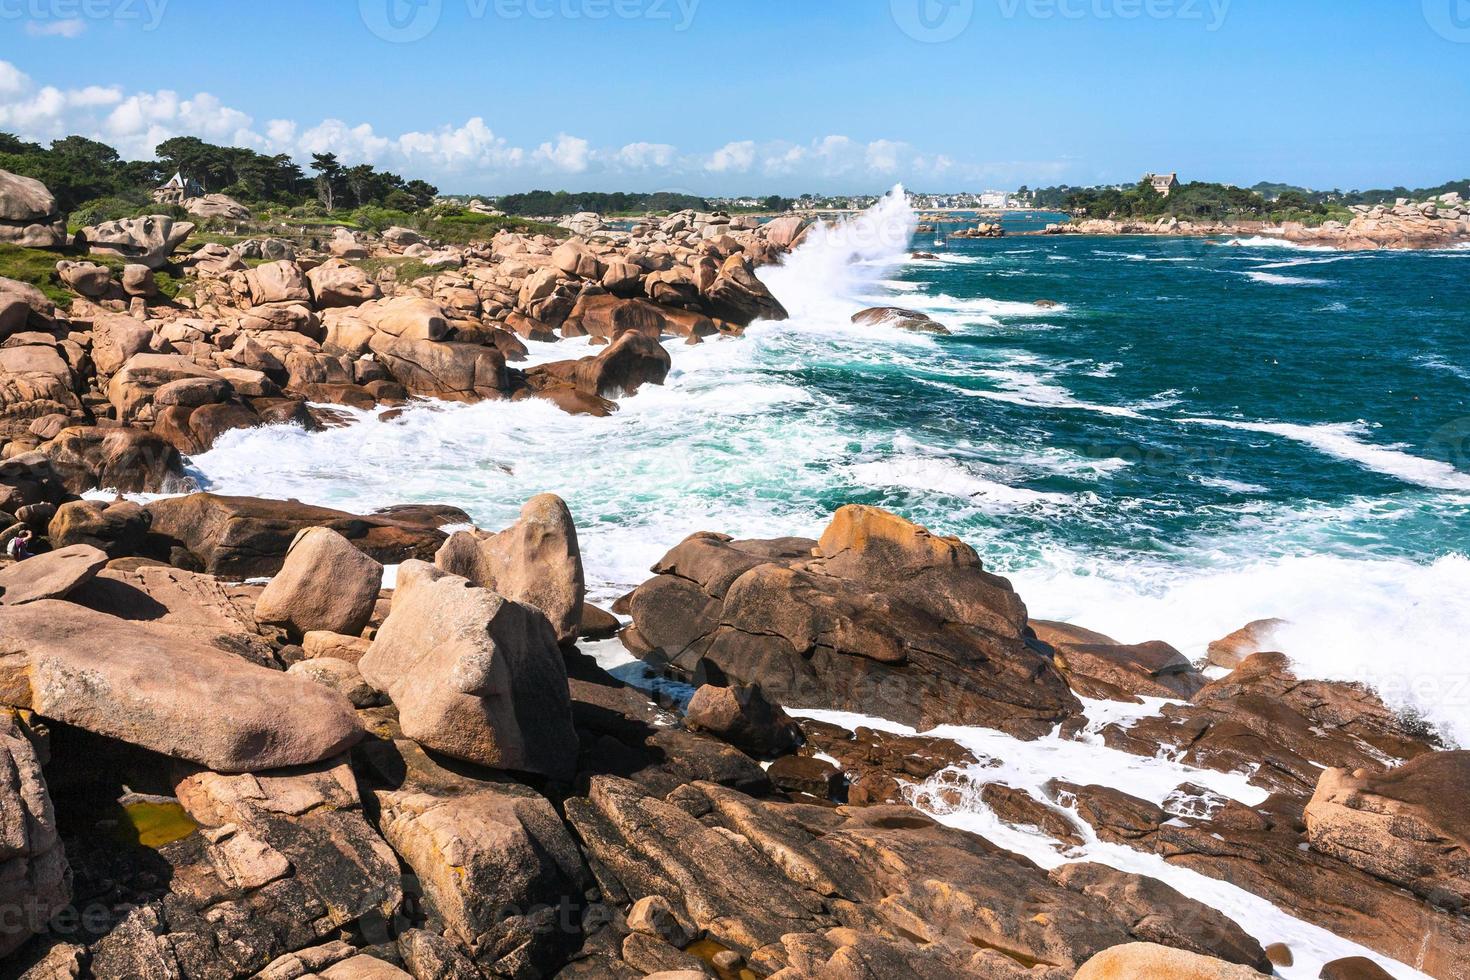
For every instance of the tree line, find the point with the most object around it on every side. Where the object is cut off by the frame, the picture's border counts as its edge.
(1203, 201)
(90, 178)
(617, 202)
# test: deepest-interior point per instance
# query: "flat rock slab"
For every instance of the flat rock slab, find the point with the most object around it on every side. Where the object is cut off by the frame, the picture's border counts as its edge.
(159, 688)
(50, 576)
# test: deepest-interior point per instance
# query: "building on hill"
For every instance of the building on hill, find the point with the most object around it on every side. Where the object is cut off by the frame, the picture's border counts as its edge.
(1163, 183)
(177, 190)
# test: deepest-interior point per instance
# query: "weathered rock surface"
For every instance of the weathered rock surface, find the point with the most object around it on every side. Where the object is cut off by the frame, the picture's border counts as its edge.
(52, 575)
(161, 689)
(326, 583)
(302, 830)
(474, 675)
(535, 561)
(1149, 961)
(28, 213)
(123, 459)
(899, 319)
(1410, 825)
(879, 616)
(148, 241)
(116, 528)
(244, 537)
(217, 206)
(207, 609)
(938, 902)
(1262, 718)
(35, 882)
(743, 717)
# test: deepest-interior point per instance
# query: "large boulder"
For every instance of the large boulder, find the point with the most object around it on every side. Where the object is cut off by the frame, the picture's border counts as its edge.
(1409, 825)
(738, 296)
(339, 283)
(535, 561)
(51, 575)
(116, 338)
(147, 241)
(118, 528)
(474, 675)
(783, 231)
(325, 584)
(450, 371)
(277, 282)
(87, 278)
(28, 213)
(244, 537)
(574, 258)
(629, 362)
(127, 460)
(497, 864)
(743, 717)
(407, 317)
(607, 316)
(162, 689)
(879, 616)
(132, 388)
(1150, 961)
(217, 206)
(35, 882)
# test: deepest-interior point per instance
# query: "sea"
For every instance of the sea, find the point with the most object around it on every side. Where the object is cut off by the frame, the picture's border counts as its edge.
(1157, 438)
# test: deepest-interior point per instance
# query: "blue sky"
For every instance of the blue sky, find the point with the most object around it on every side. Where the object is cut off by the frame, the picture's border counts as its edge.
(766, 96)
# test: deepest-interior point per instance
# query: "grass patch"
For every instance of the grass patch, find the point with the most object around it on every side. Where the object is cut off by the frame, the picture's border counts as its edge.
(404, 269)
(38, 268)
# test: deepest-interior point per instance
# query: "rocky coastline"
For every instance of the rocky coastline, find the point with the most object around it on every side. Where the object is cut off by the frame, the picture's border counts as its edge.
(1440, 223)
(239, 746)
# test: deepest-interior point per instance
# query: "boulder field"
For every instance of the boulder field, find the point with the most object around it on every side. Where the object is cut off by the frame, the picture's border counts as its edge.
(126, 377)
(320, 777)
(228, 751)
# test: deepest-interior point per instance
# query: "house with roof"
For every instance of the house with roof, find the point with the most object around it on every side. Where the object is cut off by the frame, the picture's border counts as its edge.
(177, 190)
(1163, 183)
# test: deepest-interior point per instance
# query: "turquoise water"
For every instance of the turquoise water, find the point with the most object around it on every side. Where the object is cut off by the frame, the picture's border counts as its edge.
(1197, 436)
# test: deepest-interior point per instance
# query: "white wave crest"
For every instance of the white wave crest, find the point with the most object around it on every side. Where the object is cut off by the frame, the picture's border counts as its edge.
(1343, 440)
(1397, 626)
(1262, 241)
(944, 476)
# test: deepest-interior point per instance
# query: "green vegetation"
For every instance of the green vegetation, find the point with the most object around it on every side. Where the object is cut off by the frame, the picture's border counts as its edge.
(1202, 201)
(38, 268)
(404, 270)
(445, 222)
(1197, 201)
(92, 182)
(563, 202)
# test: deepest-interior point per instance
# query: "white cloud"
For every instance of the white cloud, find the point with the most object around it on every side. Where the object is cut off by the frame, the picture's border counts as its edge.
(56, 28)
(736, 157)
(883, 155)
(568, 153)
(645, 156)
(472, 156)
